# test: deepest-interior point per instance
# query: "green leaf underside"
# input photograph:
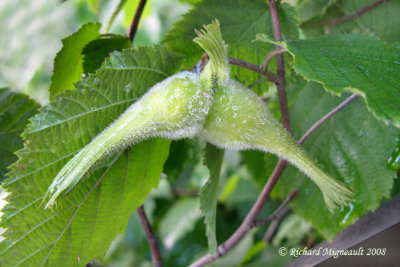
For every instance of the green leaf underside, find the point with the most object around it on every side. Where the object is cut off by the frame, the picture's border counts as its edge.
(240, 22)
(180, 220)
(351, 146)
(353, 63)
(68, 62)
(308, 9)
(259, 164)
(209, 193)
(183, 155)
(84, 222)
(15, 110)
(383, 21)
(98, 49)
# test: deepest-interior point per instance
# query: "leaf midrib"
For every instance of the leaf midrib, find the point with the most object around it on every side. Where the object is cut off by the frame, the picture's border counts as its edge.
(79, 115)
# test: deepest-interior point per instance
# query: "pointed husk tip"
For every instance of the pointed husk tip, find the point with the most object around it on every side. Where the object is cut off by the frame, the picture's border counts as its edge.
(210, 40)
(336, 194)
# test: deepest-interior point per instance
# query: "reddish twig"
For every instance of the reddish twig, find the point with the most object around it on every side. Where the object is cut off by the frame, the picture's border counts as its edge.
(262, 198)
(271, 76)
(327, 116)
(151, 238)
(135, 22)
(281, 83)
(344, 18)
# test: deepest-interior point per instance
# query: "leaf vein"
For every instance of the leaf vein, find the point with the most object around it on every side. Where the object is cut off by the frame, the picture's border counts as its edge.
(78, 208)
(82, 114)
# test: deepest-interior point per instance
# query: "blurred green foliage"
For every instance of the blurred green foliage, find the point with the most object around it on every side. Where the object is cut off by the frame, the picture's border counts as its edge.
(30, 36)
(31, 32)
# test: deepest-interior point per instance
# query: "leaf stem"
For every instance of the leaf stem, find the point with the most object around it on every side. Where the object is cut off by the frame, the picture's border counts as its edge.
(257, 82)
(269, 74)
(344, 18)
(270, 56)
(280, 83)
(151, 238)
(276, 213)
(274, 224)
(136, 19)
(262, 198)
